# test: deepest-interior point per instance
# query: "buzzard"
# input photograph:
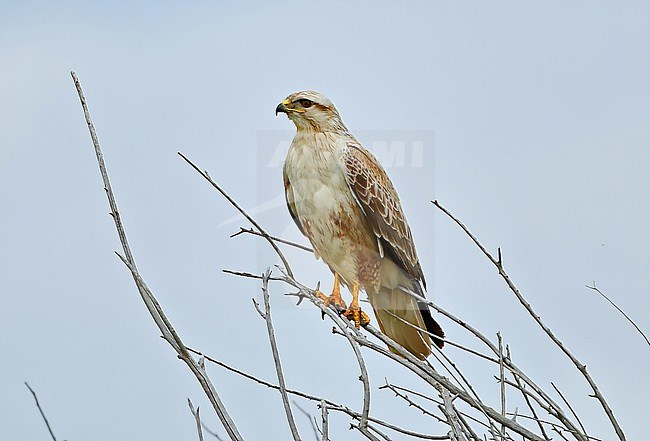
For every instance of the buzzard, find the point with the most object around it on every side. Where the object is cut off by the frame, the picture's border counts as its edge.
(342, 200)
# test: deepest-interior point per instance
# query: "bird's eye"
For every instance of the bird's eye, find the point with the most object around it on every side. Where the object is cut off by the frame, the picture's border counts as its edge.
(306, 103)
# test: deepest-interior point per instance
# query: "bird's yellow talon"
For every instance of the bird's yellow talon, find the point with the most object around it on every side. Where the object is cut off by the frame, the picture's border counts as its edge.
(354, 312)
(335, 298)
(336, 302)
(357, 316)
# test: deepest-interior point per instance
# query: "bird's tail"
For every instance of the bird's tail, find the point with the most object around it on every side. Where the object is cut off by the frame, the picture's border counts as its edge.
(399, 314)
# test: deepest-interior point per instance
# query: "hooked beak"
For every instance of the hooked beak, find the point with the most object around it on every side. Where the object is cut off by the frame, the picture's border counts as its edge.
(282, 107)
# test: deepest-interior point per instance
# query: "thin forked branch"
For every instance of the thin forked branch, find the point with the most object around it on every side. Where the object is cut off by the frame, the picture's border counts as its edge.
(243, 230)
(234, 203)
(582, 368)
(197, 418)
(276, 356)
(154, 308)
(627, 317)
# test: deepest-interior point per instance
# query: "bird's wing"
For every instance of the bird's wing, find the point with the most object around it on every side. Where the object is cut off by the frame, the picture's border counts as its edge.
(289, 198)
(380, 203)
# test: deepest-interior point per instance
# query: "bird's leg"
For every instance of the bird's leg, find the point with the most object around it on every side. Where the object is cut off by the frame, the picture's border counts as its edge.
(354, 312)
(335, 298)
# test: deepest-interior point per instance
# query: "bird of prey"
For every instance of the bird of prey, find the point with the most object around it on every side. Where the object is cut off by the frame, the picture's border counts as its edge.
(342, 200)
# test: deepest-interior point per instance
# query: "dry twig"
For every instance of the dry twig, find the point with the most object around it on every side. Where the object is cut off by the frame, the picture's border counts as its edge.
(324, 420)
(38, 405)
(627, 317)
(503, 383)
(156, 312)
(197, 418)
(309, 417)
(261, 231)
(498, 263)
(276, 356)
(243, 230)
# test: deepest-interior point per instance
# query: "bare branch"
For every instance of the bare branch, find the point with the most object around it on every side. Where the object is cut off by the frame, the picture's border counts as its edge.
(258, 308)
(262, 232)
(593, 287)
(575, 415)
(502, 377)
(434, 379)
(411, 402)
(38, 405)
(309, 417)
(249, 275)
(197, 417)
(170, 335)
(276, 356)
(553, 409)
(366, 431)
(559, 432)
(458, 432)
(363, 377)
(210, 432)
(351, 333)
(331, 405)
(260, 381)
(398, 389)
(579, 365)
(521, 387)
(468, 429)
(324, 420)
(159, 317)
(115, 214)
(243, 230)
(439, 353)
(551, 424)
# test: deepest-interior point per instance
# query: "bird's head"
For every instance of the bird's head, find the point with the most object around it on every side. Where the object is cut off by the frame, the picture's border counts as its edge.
(311, 110)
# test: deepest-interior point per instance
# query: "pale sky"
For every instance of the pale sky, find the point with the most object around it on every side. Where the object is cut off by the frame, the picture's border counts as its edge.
(529, 120)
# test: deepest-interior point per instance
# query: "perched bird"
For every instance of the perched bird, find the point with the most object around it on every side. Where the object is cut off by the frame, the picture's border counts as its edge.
(344, 203)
